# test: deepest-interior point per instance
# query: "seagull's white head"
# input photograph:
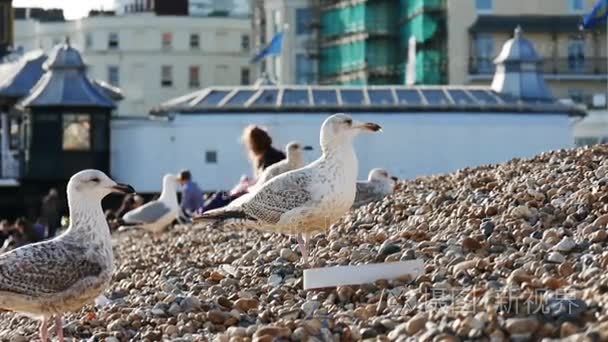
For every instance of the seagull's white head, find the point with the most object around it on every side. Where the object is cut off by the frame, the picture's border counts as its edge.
(95, 184)
(381, 175)
(170, 180)
(341, 128)
(294, 150)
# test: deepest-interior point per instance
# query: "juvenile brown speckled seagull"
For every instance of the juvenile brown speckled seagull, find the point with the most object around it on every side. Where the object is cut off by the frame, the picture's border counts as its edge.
(305, 200)
(50, 278)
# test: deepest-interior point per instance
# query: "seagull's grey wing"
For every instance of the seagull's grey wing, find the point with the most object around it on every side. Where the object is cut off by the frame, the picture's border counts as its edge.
(279, 168)
(367, 192)
(147, 213)
(271, 172)
(45, 268)
(280, 195)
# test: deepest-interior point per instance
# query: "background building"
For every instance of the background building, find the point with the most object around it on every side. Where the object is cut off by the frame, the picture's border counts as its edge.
(151, 57)
(6, 27)
(298, 63)
(458, 126)
(574, 63)
(366, 42)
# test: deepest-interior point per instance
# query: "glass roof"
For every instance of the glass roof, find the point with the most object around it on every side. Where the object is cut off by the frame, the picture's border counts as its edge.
(435, 97)
(460, 97)
(381, 97)
(324, 97)
(295, 97)
(409, 96)
(240, 98)
(213, 98)
(337, 98)
(268, 97)
(353, 96)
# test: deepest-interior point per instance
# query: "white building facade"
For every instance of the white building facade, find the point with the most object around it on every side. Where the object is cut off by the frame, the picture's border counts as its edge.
(151, 58)
(411, 144)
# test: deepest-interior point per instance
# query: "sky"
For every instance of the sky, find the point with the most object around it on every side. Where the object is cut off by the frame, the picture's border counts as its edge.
(72, 9)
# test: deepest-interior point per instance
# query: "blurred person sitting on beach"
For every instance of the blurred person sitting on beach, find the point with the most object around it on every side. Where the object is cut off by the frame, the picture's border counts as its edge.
(5, 231)
(192, 195)
(51, 211)
(260, 150)
(113, 222)
(128, 204)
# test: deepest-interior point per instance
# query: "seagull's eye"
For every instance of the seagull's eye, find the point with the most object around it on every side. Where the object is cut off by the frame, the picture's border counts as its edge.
(95, 180)
(348, 121)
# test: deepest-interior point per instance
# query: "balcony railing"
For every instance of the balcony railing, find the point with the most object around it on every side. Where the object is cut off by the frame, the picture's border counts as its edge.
(550, 66)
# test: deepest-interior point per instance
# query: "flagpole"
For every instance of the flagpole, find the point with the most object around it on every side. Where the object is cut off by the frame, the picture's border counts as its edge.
(279, 76)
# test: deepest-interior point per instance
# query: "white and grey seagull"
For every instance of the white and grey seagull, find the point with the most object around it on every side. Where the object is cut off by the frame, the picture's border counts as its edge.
(308, 199)
(378, 185)
(294, 152)
(56, 276)
(156, 215)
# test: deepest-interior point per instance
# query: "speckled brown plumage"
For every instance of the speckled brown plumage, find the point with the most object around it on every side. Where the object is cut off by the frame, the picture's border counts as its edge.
(45, 269)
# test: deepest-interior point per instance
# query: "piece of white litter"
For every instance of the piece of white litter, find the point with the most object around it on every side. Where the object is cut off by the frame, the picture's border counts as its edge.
(102, 301)
(315, 278)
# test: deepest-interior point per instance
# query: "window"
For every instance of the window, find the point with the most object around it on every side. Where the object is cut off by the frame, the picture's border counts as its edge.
(211, 157)
(88, 40)
(245, 42)
(167, 40)
(484, 5)
(303, 19)
(576, 55)
(577, 5)
(304, 69)
(113, 42)
(194, 41)
(484, 52)
(76, 132)
(113, 75)
(166, 76)
(576, 95)
(245, 78)
(15, 133)
(193, 77)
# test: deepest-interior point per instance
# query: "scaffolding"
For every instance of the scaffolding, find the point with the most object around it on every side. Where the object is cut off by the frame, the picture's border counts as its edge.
(365, 42)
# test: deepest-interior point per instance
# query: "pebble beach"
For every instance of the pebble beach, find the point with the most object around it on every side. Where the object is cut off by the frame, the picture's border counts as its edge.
(512, 252)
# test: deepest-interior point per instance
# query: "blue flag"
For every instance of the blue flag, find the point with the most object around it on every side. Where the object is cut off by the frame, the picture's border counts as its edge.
(273, 49)
(598, 14)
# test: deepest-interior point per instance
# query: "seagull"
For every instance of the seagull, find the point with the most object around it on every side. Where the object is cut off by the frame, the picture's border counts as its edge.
(378, 185)
(52, 277)
(155, 216)
(294, 160)
(309, 199)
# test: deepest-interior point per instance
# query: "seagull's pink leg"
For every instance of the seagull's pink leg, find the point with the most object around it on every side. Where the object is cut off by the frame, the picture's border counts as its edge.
(44, 330)
(303, 247)
(59, 328)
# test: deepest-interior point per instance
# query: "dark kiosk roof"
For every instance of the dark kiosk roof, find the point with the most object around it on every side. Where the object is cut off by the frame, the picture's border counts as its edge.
(18, 77)
(65, 84)
(244, 99)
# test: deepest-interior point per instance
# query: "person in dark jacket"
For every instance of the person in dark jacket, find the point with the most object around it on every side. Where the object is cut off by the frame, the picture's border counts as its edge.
(259, 146)
(51, 211)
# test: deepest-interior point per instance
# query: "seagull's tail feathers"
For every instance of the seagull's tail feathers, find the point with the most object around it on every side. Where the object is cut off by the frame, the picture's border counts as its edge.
(224, 217)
